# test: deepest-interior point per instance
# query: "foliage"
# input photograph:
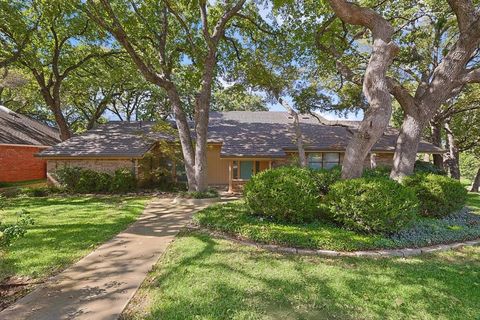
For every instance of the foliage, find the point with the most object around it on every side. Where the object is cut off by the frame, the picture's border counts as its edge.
(210, 193)
(324, 178)
(284, 194)
(371, 205)
(69, 177)
(460, 226)
(378, 172)
(80, 180)
(428, 167)
(123, 181)
(9, 232)
(438, 195)
(234, 218)
(469, 165)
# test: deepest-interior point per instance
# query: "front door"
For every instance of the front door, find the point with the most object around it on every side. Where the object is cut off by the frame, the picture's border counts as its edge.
(246, 170)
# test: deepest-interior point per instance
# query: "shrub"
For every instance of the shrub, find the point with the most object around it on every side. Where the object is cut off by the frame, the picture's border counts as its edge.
(87, 182)
(371, 204)
(438, 195)
(288, 194)
(378, 172)
(69, 177)
(428, 167)
(209, 193)
(9, 232)
(123, 181)
(324, 178)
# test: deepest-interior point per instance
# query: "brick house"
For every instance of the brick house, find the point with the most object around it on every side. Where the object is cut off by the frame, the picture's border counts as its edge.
(240, 144)
(21, 138)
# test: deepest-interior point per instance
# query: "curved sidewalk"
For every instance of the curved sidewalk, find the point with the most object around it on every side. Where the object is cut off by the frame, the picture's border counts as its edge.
(100, 285)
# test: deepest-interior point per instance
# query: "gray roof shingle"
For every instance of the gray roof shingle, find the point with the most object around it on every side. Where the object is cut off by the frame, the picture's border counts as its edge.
(16, 128)
(241, 133)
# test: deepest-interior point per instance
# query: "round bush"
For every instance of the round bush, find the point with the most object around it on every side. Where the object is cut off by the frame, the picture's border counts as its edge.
(428, 167)
(324, 178)
(372, 205)
(438, 195)
(285, 194)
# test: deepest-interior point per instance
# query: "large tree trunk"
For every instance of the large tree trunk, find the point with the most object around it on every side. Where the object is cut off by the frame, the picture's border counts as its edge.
(185, 137)
(453, 154)
(476, 182)
(436, 140)
(407, 146)
(375, 86)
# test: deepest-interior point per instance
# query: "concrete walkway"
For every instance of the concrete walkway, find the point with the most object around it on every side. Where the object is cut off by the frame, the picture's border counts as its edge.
(99, 286)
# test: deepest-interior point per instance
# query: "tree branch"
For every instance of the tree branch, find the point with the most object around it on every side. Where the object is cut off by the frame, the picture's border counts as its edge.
(465, 13)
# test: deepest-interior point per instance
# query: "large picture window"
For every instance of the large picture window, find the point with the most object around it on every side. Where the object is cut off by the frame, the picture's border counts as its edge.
(326, 160)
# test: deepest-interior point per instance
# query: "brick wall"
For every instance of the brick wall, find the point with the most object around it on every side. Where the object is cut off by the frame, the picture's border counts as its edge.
(100, 165)
(18, 163)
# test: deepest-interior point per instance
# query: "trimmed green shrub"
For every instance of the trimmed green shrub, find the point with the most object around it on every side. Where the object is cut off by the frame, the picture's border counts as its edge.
(324, 178)
(378, 172)
(438, 195)
(123, 181)
(69, 177)
(428, 167)
(287, 194)
(372, 205)
(87, 182)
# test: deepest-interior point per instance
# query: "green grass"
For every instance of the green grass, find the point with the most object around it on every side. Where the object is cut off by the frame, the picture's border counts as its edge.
(233, 218)
(21, 183)
(204, 278)
(65, 229)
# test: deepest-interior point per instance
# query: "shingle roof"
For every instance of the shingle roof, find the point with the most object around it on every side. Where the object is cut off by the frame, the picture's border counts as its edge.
(111, 140)
(241, 133)
(16, 128)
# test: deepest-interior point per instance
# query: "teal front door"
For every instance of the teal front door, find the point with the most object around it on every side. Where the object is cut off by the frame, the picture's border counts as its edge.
(246, 170)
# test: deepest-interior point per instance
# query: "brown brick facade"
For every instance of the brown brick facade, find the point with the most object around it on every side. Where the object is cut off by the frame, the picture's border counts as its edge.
(17, 163)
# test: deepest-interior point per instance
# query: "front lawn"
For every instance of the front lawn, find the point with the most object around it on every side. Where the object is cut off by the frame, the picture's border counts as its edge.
(204, 278)
(65, 229)
(234, 219)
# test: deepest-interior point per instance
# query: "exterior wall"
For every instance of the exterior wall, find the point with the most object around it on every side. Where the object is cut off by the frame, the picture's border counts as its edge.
(17, 163)
(100, 165)
(381, 160)
(217, 170)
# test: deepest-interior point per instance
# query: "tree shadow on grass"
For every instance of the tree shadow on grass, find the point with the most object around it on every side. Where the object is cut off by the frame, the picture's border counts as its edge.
(215, 279)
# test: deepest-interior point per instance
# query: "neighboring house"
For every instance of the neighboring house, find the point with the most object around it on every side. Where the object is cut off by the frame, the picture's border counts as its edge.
(240, 144)
(20, 139)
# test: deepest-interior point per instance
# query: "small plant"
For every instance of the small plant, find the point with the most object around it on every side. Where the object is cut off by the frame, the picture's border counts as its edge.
(9, 232)
(438, 195)
(324, 178)
(209, 193)
(123, 181)
(287, 194)
(378, 172)
(69, 177)
(372, 205)
(428, 167)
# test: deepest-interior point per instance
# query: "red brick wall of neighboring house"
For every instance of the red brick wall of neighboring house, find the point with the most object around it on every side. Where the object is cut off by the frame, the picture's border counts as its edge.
(17, 163)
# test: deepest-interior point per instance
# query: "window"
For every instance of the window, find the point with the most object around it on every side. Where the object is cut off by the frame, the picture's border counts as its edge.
(315, 160)
(325, 160)
(331, 159)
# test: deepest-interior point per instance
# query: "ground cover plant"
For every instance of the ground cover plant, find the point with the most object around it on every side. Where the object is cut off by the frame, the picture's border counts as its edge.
(234, 219)
(201, 277)
(208, 194)
(65, 229)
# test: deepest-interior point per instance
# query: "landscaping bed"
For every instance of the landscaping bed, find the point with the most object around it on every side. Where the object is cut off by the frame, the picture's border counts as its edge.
(65, 229)
(235, 220)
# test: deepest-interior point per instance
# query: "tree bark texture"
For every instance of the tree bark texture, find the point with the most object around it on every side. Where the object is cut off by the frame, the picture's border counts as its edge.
(453, 155)
(476, 182)
(436, 140)
(375, 86)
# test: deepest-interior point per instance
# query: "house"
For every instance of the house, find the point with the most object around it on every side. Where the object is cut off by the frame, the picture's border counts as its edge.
(240, 144)
(20, 139)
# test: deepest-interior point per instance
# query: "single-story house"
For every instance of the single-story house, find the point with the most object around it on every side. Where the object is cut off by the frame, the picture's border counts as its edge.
(21, 138)
(240, 144)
